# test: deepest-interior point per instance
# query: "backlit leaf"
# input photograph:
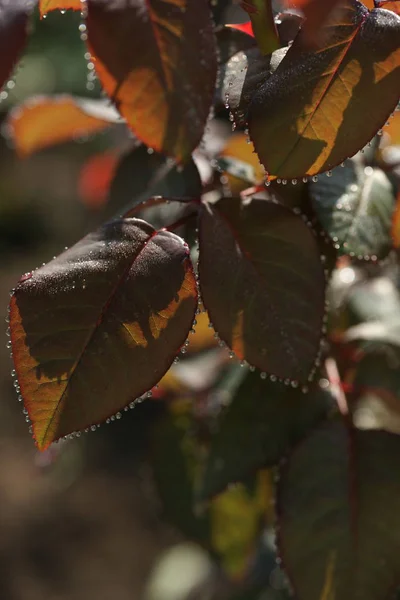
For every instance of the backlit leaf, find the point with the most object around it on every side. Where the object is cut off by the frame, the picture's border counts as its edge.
(263, 284)
(157, 61)
(43, 121)
(339, 519)
(355, 206)
(13, 33)
(393, 128)
(320, 107)
(46, 6)
(258, 428)
(98, 326)
(240, 163)
(317, 14)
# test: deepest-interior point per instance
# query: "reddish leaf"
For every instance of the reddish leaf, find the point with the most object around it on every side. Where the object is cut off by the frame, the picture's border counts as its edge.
(157, 61)
(95, 179)
(338, 514)
(13, 33)
(100, 325)
(263, 283)
(317, 14)
(44, 121)
(244, 27)
(318, 108)
(46, 6)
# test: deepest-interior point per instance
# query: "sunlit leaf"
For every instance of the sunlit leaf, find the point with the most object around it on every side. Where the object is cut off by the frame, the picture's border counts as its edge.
(320, 107)
(393, 129)
(98, 326)
(339, 520)
(43, 121)
(14, 17)
(317, 14)
(157, 60)
(264, 28)
(355, 206)
(240, 163)
(263, 284)
(258, 428)
(46, 6)
(393, 5)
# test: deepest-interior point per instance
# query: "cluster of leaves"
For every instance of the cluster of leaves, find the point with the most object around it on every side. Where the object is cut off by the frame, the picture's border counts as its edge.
(267, 245)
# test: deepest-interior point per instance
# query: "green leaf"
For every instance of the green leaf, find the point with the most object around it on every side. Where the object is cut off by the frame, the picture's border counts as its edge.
(14, 18)
(99, 325)
(141, 174)
(339, 519)
(262, 422)
(322, 106)
(262, 282)
(262, 19)
(157, 60)
(355, 206)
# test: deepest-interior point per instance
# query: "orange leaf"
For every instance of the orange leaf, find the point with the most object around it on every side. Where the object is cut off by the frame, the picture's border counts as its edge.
(393, 129)
(157, 60)
(46, 6)
(44, 121)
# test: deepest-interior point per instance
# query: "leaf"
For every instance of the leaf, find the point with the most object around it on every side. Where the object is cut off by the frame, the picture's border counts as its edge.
(321, 107)
(242, 76)
(355, 206)
(240, 164)
(98, 326)
(43, 121)
(332, 541)
(95, 179)
(393, 128)
(264, 28)
(231, 525)
(46, 6)
(140, 175)
(237, 519)
(13, 33)
(375, 390)
(263, 284)
(157, 61)
(262, 422)
(393, 5)
(317, 15)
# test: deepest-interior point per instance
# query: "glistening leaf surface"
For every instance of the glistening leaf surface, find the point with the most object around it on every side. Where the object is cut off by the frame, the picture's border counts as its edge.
(13, 33)
(355, 206)
(46, 6)
(263, 284)
(100, 325)
(157, 60)
(339, 520)
(43, 121)
(321, 107)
